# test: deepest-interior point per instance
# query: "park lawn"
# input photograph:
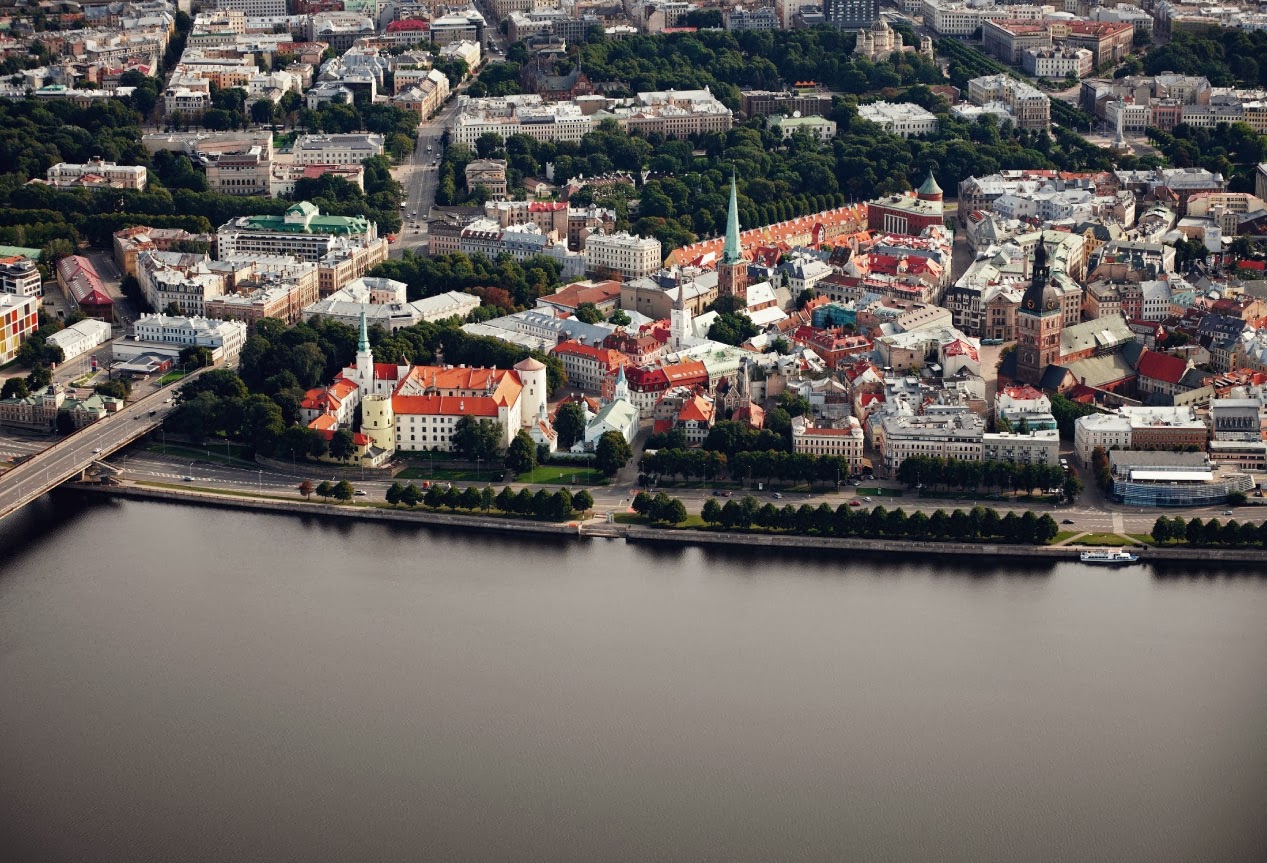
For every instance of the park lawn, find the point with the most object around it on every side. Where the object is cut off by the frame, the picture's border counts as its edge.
(563, 474)
(452, 474)
(1109, 539)
(1143, 538)
(1063, 535)
(171, 378)
(693, 521)
(878, 491)
(213, 452)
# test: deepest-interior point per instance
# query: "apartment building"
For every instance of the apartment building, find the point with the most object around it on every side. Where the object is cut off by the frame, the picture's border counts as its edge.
(19, 275)
(844, 442)
(1028, 107)
(623, 254)
(19, 317)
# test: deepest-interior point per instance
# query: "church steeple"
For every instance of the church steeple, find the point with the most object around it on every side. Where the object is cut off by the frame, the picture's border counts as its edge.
(732, 269)
(363, 344)
(730, 252)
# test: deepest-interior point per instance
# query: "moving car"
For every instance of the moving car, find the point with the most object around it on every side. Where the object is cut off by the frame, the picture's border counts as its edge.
(186, 479)
(867, 499)
(1067, 521)
(359, 493)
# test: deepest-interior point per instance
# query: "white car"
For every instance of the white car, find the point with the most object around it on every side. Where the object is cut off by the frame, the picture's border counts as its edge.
(97, 451)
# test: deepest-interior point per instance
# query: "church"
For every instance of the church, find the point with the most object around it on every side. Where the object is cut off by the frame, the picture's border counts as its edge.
(1098, 354)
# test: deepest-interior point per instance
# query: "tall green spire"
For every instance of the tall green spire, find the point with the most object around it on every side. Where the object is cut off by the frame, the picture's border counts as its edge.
(364, 344)
(730, 252)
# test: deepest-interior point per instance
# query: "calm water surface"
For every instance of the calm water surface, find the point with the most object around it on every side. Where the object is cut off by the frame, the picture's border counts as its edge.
(184, 684)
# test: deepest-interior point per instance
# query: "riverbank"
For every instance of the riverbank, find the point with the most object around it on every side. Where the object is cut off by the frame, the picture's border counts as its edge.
(635, 533)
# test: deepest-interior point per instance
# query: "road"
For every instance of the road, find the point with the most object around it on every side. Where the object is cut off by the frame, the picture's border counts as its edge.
(420, 176)
(1094, 516)
(69, 456)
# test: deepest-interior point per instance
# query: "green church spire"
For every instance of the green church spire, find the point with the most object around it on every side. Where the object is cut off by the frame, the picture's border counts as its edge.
(730, 252)
(364, 344)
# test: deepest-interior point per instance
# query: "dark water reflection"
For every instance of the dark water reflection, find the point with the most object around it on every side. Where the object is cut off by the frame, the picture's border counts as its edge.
(188, 684)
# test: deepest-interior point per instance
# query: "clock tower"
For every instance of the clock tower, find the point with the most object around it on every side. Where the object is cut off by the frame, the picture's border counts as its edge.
(1038, 323)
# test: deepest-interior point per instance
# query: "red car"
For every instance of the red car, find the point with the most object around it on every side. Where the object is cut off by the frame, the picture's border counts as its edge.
(855, 502)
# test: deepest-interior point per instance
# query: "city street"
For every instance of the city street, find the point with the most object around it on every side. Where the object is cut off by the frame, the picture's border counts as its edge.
(420, 176)
(1093, 515)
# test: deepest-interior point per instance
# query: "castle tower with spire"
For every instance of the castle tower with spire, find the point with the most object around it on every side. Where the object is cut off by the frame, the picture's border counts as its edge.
(364, 359)
(732, 269)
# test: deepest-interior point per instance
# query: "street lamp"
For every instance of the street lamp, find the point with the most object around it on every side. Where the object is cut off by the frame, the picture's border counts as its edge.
(261, 481)
(478, 460)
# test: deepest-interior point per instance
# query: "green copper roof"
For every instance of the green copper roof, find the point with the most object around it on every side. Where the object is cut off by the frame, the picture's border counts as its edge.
(930, 186)
(363, 344)
(730, 252)
(338, 225)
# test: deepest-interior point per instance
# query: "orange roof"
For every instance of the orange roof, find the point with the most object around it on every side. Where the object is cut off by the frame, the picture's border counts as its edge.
(502, 386)
(607, 357)
(325, 422)
(696, 409)
(449, 406)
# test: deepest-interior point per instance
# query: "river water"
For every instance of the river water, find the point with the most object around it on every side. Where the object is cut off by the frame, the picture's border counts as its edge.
(189, 684)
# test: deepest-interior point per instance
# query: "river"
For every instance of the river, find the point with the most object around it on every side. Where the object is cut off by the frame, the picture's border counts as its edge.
(191, 684)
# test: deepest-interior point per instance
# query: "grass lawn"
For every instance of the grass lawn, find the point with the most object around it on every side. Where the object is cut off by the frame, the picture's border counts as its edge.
(1142, 538)
(213, 452)
(1063, 535)
(563, 474)
(694, 522)
(1110, 539)
(452, 474)
(878, 491)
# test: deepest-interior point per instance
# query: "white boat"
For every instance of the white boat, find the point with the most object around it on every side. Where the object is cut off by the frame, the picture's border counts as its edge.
(1109, 556)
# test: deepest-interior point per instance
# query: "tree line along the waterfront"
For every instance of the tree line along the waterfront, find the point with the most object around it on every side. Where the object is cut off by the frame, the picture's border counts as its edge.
(979, 524)
(1212, 533)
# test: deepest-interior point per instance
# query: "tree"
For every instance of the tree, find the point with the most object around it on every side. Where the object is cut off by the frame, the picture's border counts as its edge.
(711, 512)
(342, 444)
(14, 388)
(569, 424)
(521, 455)
(612, 453)
(343, 491)
(470, 498)
(1162, 530)
(1072, 487)
(262, 112)
(305, 489)
(477, 439)
(620, 318)
(411, 496)
(325, 489)
(588, 313)
(395, 492)
(195, 357)
(582, 501)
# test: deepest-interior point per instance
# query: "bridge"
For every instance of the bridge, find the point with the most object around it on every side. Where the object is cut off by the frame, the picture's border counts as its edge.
(70, 457)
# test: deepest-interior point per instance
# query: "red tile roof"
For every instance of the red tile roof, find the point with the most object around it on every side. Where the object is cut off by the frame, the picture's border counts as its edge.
(1161, 367)
(458, 406)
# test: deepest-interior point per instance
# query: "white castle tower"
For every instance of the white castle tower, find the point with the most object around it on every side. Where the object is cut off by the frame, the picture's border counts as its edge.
(532, 373)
